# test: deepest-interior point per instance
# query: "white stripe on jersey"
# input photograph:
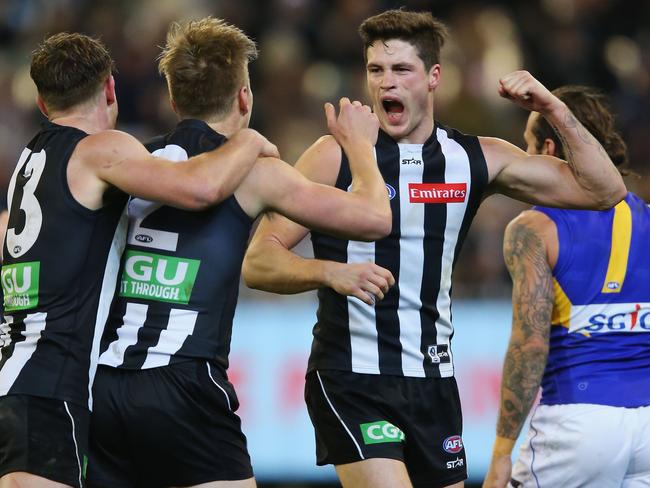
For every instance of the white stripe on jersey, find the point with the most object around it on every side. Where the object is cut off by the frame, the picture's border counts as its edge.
(127, 334)
(411, 259)
(459, 171)
(106, 297)
(362, 319)
(364, 347)
(23, 350)
(180, 325)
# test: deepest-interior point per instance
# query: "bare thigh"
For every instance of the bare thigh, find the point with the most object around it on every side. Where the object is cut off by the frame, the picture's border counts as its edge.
(21, 479)
(249, 483)
(374, 473)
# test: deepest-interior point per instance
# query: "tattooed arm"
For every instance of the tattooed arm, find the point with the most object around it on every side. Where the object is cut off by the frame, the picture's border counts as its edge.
(588, 179)
(526, 250)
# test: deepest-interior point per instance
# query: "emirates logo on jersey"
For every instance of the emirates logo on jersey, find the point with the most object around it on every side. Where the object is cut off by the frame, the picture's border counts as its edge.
(437, 192)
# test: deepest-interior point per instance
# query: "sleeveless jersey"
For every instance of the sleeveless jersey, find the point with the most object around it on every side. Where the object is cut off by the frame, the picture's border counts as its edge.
(435, 189)
(179, 274)
(58, 276)
(600, 334)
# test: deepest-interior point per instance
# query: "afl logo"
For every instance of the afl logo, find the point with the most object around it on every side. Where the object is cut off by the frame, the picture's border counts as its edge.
(143, 238)
(613, 285)
(391, 191)
(453, 444)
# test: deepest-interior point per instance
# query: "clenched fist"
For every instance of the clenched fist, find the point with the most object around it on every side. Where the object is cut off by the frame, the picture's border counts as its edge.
(523, 89)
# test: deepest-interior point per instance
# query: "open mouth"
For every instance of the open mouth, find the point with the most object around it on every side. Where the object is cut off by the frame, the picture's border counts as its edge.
(393, 108)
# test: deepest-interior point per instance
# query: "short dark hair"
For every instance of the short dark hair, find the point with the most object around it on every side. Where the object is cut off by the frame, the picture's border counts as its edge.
(69, 69)
(421, 29)
(591, 108)
(205, 63)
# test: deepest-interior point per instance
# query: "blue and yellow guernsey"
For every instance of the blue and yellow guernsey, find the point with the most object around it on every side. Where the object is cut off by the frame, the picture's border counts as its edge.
(600, 334)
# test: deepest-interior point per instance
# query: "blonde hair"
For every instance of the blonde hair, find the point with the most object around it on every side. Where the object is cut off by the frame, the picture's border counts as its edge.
(205, 63)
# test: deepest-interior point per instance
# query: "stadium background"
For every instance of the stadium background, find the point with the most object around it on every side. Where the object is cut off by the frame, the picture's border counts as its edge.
(310, 53)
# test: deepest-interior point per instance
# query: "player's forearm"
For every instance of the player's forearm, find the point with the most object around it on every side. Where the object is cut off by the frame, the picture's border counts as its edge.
(522, 375)
(588, 160)
(369, 186)
(268, 266)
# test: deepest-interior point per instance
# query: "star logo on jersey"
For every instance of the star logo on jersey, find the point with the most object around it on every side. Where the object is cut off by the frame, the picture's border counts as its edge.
(437, 192)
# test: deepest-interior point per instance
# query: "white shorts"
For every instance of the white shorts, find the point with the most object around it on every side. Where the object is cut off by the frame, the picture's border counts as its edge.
(586, 446)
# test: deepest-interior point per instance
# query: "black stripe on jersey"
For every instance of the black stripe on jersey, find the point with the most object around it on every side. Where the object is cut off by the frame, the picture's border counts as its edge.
(148, 336)
(478, 168)
(435, 218)
(387, 256)
(17, 329)
(479, 175)
(332, 307)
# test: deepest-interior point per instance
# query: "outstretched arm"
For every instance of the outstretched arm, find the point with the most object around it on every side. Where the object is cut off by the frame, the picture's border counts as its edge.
(526, 256)
(587, 179)
(117, 159)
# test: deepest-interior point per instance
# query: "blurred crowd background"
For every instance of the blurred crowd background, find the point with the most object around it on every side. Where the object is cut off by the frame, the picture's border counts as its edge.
(310, 53)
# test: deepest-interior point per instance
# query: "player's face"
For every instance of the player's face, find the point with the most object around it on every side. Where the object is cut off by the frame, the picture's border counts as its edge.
(529, 136)
(401, 89)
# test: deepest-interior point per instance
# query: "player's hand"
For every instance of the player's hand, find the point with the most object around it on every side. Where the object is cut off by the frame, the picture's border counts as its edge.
(354, 122)
(499, 473)
(366, 281)
(524, 90)
(266, 148)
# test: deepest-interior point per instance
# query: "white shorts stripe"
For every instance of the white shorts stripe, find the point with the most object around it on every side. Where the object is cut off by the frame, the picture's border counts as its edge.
(218, 386)
(74, 439)
(339, 417)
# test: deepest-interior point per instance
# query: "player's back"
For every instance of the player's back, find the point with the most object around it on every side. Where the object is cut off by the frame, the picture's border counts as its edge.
(58, 276)
(180, 272)
(600, 335)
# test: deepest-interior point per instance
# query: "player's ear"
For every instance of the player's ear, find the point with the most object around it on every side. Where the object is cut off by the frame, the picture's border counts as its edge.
(41, 106)
(434, 76)
(549, 147)
(244, 100)
(109, 91)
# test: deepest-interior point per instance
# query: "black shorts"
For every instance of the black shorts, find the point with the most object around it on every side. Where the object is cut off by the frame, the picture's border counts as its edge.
(45, 437)
(415, 420)
(168, 426)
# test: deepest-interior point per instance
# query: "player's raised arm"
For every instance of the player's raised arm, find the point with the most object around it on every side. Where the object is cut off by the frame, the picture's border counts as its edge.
(120, 160)
(588, 178)
(525, 253)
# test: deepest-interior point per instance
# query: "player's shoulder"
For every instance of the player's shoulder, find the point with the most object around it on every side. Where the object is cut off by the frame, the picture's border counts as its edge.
(327, 147)
(109, 145)
(531, 227)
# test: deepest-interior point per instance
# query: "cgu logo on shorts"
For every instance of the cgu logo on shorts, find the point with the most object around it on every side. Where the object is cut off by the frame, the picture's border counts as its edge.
(157, 277)
(453, 444)
(381, 431)
(20, 285)
(437, 192)
(613, 317)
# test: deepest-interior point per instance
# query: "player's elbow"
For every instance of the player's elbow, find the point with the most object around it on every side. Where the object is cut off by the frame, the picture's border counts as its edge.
(380, 225)
(614, 196)
(205, 194)
(251, 272)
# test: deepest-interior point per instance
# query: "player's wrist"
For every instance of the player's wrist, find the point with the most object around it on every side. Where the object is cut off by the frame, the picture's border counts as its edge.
(555, 112)
(503, 446)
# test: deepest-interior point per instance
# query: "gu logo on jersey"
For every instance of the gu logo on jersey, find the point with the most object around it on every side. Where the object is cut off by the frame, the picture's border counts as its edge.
(437, 192)
(456, 463)
(380, 432)
(453, 444)
(20, 285)
(411, 161)
(157, 277)
(439, 353)
(612, 317)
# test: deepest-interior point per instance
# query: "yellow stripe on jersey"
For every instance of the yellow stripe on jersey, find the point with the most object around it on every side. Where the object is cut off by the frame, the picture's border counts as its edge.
(561, 314)
(621, 237)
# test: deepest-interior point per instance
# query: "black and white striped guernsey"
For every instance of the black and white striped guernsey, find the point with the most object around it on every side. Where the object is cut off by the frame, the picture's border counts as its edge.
(58, 276)
(179, 274)
(435, 190)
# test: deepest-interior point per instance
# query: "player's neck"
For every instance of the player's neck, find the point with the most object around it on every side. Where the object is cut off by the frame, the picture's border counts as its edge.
(90, 121)
(419, 135)
(227, 126)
